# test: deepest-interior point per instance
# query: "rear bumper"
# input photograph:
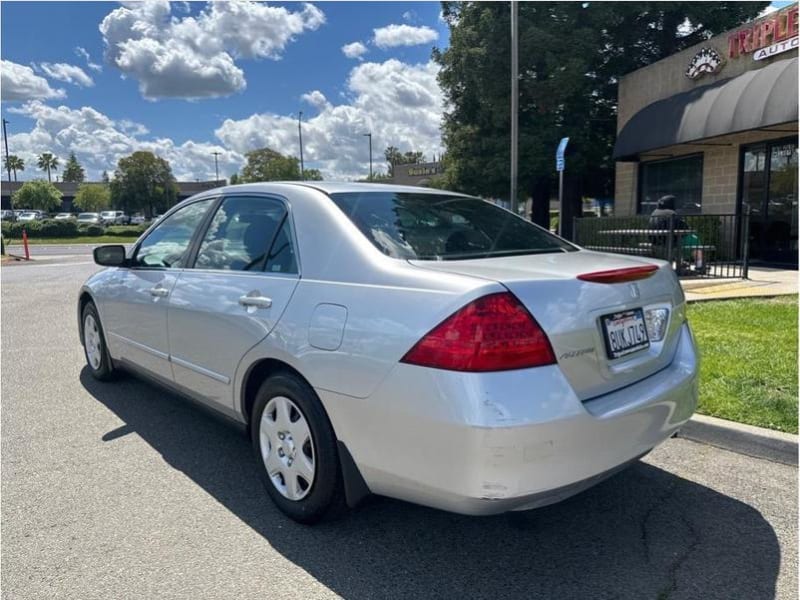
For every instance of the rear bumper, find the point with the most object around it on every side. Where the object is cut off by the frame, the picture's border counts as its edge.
(489, 443)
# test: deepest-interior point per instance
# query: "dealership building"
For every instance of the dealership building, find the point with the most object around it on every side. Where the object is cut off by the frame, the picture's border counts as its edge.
(715, 126)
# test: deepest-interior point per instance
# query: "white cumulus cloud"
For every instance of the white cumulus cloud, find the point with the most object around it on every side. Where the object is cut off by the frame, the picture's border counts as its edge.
(67, 73)
(195, 57)
(20, 83)
(400, 104)
(354, 50)
(99, 142)
(404, 35)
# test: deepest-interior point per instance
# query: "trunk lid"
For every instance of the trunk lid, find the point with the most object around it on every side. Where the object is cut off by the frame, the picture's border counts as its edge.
(570, 310)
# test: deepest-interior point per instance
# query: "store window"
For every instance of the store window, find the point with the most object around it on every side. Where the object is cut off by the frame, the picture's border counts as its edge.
(678, 177)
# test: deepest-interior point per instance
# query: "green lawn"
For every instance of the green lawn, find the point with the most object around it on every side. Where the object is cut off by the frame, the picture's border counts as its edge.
(748, 350)
(88, 239)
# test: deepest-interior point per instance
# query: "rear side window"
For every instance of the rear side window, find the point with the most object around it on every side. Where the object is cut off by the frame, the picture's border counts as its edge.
(241, 234)
(443, 227)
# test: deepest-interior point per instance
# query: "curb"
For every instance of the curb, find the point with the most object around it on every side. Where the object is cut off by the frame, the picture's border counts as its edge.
(757, 442)
(765, 296)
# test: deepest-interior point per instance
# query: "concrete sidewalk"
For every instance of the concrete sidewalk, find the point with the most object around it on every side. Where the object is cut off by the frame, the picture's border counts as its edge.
(762, 282)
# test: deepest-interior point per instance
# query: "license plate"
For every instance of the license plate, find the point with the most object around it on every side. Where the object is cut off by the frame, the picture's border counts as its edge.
(625, 332)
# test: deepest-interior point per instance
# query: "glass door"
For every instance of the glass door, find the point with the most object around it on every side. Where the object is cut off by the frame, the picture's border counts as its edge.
(769, 187)
(782, 204)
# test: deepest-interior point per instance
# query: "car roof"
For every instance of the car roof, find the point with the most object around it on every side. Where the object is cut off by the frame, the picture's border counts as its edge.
(329, 187)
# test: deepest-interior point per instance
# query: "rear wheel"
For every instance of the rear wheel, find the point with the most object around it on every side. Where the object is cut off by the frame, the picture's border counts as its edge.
(295, 448)
(94, 345)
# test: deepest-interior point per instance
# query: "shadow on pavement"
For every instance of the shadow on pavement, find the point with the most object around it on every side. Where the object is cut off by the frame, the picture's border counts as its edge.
(642, 534)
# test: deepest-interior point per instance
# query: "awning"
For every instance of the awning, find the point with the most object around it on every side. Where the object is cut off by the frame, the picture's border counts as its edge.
(761, 98)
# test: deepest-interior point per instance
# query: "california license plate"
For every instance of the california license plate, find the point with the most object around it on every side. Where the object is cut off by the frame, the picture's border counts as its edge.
(625, 332)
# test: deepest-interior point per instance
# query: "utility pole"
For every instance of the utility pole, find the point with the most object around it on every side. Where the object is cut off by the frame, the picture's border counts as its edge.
(514, 104)
(300, 135)
(216, 165)
(5, 137)
(369, 135)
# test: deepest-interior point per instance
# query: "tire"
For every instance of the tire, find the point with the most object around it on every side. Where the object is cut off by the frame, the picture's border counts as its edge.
(308, 439)
(94, 345)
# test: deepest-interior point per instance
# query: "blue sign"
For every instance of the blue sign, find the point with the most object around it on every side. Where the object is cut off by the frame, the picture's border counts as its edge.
(562, 147)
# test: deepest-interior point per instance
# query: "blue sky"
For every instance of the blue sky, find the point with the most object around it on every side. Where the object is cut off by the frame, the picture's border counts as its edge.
(275, 82)
(186, 79)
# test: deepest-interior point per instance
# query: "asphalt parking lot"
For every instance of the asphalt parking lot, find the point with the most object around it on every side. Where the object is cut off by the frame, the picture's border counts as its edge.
(121, 490)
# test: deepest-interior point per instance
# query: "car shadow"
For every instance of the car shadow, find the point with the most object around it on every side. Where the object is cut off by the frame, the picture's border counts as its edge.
(645, 533)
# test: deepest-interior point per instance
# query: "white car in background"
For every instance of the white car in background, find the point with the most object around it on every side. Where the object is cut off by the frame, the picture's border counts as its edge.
(32, 215)
(64, 216)
(89, 218)
(114, 217)
(407, 342)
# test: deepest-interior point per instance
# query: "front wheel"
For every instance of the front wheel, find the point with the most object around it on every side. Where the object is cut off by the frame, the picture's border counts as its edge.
(295, 447)
(94, 345)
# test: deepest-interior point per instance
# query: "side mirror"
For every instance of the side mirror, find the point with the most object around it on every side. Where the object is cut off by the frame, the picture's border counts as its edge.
(112, 255)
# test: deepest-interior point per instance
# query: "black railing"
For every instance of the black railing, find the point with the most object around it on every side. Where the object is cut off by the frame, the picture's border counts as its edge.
(702, 246)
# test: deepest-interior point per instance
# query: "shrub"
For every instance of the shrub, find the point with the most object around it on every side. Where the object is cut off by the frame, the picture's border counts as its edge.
(32, 227)
(65, 228)
(126, 230)
(90, 230)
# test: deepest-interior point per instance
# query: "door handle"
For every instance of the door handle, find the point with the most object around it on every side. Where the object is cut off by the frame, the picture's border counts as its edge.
(256, 300)
(159, 291)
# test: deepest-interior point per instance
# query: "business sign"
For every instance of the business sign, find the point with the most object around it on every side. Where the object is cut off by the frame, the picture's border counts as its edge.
(766, 34)
(778, 48)
(562, 147)
(706, 61)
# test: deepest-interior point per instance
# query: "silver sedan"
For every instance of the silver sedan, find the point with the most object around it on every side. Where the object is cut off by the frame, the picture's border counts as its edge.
(408, 342)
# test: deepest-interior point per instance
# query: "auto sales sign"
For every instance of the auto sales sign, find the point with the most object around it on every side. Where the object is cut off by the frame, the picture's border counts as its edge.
(768, 37)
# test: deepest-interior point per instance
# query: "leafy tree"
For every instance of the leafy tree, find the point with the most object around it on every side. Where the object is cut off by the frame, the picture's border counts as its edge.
(312, 175)
(15, 163)
(143, 181)
(571, 57)
(92, 197)
(47, 162)
(234, 179)
(73, 171)
(268, 165)
(38, 194)
(395, 157)
(104, 177)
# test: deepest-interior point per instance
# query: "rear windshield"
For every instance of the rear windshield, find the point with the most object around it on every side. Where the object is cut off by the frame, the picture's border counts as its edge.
(443, 227)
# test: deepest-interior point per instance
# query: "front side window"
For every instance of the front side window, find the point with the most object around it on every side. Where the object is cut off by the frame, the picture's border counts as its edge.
(240, 234)
(679, 177)
(168, 244)
(442, 227)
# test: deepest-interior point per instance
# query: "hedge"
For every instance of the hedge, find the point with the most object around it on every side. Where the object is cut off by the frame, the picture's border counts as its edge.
(50, 228)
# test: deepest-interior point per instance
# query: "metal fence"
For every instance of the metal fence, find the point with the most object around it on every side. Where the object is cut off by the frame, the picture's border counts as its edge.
(698, 246)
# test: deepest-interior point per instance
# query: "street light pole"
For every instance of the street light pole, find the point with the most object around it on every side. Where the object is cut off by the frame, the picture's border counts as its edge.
(369, 135)
(300, 135)
(514, 104)
(216, 165)
(5, 138)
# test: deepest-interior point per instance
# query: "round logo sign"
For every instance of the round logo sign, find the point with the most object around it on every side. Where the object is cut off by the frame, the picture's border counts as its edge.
(707, 60)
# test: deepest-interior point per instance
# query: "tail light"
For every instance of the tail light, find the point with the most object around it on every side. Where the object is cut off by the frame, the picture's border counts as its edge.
(492, 333)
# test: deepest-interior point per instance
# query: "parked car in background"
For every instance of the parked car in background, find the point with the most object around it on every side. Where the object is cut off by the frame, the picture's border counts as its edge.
(7, 215)
(32, 215)
(64, 216)
(408, 342)
(138, 219)
(114, 217)
(90, 218)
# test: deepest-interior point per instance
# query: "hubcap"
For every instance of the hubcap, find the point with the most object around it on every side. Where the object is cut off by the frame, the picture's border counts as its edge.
(287, 448)
(92, 342)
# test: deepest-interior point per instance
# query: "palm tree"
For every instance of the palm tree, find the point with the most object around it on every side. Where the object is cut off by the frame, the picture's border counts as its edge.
(46, 162)
(15, 163)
